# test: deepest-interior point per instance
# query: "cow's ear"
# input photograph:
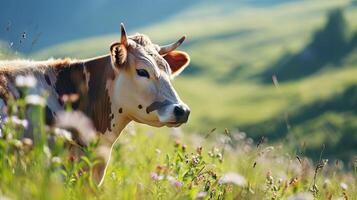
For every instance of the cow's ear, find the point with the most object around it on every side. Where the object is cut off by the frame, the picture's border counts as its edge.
(118, 50)
(178, 61)
(119, 54)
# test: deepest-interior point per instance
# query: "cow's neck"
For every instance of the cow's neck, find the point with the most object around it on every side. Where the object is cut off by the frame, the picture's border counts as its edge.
(95, 87)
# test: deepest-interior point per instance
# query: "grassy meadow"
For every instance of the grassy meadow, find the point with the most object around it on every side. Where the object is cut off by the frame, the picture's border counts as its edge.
(255, 131)
(233, 59)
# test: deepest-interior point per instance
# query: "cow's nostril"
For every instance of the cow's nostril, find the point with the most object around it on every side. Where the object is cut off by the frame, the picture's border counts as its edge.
(179, 111)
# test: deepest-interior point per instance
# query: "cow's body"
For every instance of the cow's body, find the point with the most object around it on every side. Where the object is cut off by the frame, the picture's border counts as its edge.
(131, 83)
(88, 78)
(91, 79)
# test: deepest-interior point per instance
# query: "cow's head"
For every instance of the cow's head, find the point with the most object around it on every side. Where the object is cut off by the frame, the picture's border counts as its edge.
(142, 88)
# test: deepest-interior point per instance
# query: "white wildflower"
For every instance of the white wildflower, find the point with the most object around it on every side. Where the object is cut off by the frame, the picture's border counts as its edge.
(25, 81)
(174, 182)
(343, 186)
(33, 99)
(9, 136)
(154, 176)
(47, 151)
(234, 178)
(237, 136)
(79, 122)
(17, 121)
(63, 134)
(326, 183)
(201, 195)
(27, 142)
(18, 144)
(250, 141)
(56, 160)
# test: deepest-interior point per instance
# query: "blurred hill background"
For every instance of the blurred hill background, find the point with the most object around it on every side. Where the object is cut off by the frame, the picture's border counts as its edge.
(286, 70)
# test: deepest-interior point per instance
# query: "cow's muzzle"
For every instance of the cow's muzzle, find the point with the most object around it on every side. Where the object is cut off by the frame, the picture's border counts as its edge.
(181, 113)
(171, 113)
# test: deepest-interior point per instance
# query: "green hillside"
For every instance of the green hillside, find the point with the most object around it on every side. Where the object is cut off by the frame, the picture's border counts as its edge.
(231, 47)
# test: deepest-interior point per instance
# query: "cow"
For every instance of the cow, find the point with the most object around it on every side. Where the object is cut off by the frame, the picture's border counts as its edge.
(131, 83)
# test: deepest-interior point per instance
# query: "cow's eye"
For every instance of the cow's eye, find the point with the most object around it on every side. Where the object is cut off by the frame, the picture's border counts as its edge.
(143, 73)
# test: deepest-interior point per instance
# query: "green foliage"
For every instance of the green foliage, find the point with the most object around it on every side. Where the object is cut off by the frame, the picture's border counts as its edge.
(163, 166)
(156, 165)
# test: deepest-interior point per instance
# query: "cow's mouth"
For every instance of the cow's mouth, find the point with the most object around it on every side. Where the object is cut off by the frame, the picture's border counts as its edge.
(158, 123)
(148, 122)
(173, 124)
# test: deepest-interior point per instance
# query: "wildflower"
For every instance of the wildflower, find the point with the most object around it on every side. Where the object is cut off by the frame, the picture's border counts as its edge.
(234, 178)
(9, 136)
(25, 81)
(195, 160)
(63, 134)
(174, 182)
(177, 184)
(250, 141)
(47, 151)
(201, 195)
(301, 196)
(56, 160)
(154, 176)
(326, 183)
(78, 121)
(33, 99)
(27, 142)
(158, 152)
(17, 121)
(343, 186)
(18, 144)
(239, 136)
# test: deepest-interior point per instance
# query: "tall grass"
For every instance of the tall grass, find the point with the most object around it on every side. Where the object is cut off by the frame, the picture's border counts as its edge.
(158, 165)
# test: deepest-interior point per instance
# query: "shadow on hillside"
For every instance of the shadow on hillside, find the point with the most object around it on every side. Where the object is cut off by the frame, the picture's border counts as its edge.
(328, 46)
(344, 103)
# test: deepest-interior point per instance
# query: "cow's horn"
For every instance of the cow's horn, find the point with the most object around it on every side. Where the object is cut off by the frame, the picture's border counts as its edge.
(167, 48)
(123, 39)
